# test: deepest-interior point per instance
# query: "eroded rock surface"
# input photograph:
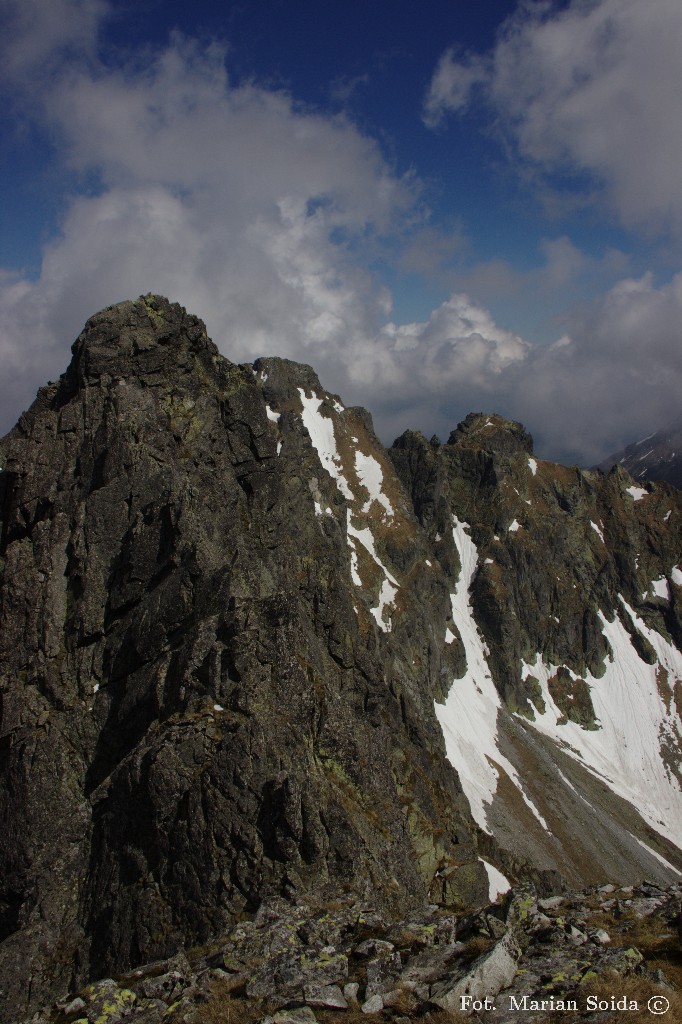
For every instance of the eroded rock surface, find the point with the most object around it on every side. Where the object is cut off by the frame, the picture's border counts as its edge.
(230, 621)
(199, 708)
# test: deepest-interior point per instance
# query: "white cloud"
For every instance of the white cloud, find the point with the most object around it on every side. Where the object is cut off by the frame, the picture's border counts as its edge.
(452, 84)
(260, 216)
(247, 209)
(615, 376)
(590, 89)
(39, 34)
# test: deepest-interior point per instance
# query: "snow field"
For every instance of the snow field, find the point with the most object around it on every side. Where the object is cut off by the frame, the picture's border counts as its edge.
(635, 720)
(469, 716)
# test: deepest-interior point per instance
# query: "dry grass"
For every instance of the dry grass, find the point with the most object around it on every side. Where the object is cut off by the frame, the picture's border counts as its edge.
(636, 988)
(660, 947)
(224, 1007)
(353, 1015)
(476, 947)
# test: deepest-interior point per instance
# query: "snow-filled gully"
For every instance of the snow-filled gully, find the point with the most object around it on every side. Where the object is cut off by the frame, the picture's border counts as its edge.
(369, 473)
(469, 716)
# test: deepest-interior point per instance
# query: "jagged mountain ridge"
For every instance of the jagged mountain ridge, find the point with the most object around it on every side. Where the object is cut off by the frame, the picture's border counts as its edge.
(231, 622)
(656, 457)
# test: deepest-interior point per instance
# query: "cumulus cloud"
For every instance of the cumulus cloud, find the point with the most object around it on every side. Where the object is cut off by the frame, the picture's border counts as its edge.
(616, 374)
(255, 213)
(589, 89)
(453, 81)
(234, 201)
(37, 36)
(263, 217)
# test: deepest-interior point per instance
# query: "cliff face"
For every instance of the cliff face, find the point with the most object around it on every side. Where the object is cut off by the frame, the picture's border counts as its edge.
(574, 585)
(242, 647)
(198, 707)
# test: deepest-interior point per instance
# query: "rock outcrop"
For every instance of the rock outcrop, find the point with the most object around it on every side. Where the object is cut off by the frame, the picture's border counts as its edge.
(194, 715)
(295, 962)
(249, 655)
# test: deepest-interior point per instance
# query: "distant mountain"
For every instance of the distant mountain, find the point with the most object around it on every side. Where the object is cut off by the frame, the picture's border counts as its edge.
(248, 654)
(656, 457)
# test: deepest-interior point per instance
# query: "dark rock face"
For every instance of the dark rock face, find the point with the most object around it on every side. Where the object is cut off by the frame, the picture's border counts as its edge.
(193, 714)
(226, 612)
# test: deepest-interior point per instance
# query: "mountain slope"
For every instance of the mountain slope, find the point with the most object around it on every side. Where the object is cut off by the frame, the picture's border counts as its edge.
(656, 457)
(242, 647)
(574, 589)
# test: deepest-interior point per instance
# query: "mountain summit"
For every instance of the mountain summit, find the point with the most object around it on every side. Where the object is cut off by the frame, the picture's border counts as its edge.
(247, 653)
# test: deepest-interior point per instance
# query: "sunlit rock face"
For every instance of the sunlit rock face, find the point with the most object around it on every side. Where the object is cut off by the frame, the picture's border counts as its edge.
(248, 653)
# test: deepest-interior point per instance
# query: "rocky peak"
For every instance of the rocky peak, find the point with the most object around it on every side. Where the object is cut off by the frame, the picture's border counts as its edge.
(219, 650)
(492, 433)
(146, 335)
(249, 655)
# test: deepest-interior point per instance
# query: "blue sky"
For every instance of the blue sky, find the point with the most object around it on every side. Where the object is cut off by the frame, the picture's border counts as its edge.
(443, 208)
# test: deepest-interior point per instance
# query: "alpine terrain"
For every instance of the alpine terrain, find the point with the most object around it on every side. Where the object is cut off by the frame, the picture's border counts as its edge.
(656, 457)
(269, 684)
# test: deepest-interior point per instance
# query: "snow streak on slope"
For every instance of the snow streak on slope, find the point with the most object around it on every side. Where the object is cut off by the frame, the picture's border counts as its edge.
(370, 475)
(389, 586)
(321, 431)
(469, 716)
(635, 706)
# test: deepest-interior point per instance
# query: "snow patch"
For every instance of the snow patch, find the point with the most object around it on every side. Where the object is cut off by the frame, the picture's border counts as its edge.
(635, 722)
(666, 517)
(469, 716)
(659, 588)
(386, 597)
(273, 416)
(516, 525)
(371, 477)
(498, 884)
(449, 636)
(598, 529)
(321, 431)
(637, 493)
(533, 466)
(676, 575)
(666, 863)
(389, 586)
